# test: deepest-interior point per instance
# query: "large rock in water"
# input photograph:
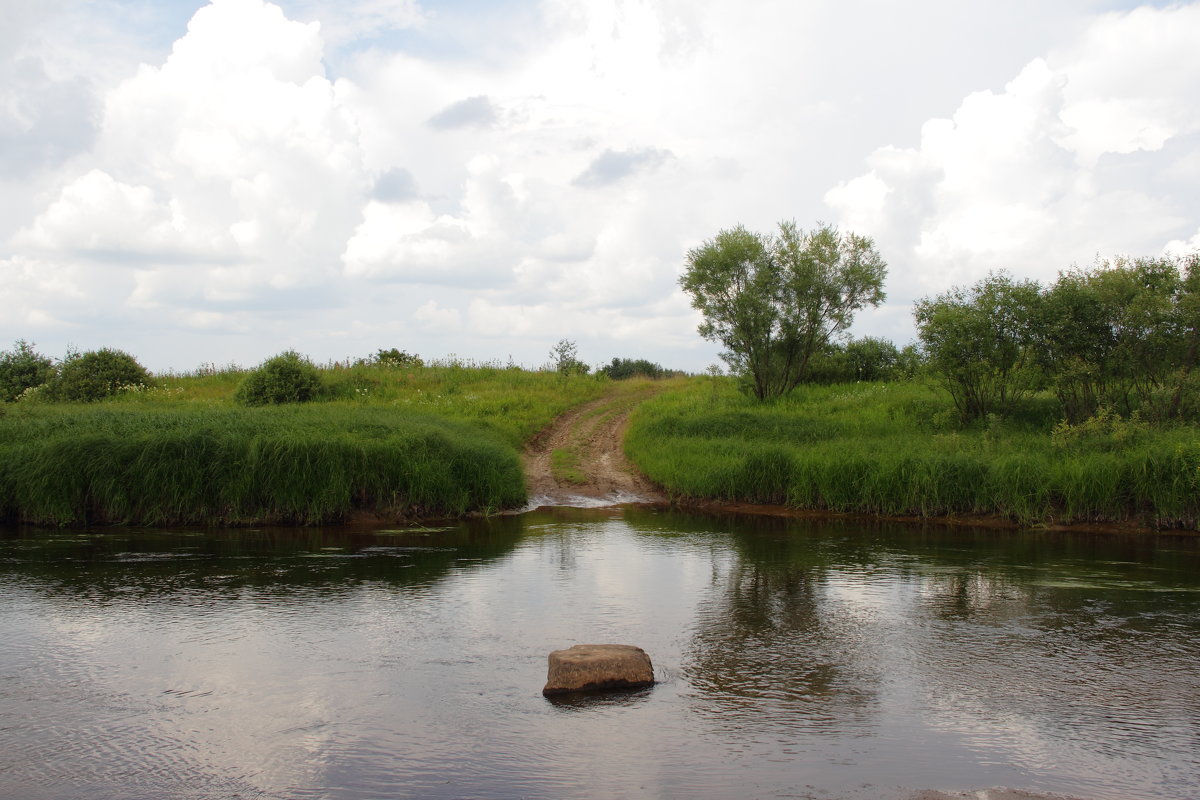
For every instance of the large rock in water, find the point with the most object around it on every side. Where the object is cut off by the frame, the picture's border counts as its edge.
(595, 667)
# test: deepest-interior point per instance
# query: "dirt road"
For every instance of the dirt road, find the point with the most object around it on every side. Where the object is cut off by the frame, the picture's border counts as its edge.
(580, 461)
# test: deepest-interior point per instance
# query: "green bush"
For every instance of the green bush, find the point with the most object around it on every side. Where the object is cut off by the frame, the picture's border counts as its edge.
(22, 368)
(564, 360)
(96, 375)
(286, 378)
(622, 368)
(865, 359)
(980, 343)
(392, 357)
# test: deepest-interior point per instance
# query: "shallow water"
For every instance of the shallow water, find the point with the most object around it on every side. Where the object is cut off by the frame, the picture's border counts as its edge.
(795, 660)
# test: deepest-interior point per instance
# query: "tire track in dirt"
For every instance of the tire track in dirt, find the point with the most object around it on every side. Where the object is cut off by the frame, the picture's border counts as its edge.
(592, 468)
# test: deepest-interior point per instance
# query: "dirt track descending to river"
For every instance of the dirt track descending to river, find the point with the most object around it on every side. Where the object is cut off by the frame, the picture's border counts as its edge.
(590, 468)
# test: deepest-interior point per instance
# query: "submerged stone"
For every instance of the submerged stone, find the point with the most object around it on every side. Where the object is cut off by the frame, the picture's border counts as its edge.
(597, 667)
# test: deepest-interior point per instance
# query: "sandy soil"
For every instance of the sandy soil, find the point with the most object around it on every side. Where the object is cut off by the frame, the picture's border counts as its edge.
(593, 433)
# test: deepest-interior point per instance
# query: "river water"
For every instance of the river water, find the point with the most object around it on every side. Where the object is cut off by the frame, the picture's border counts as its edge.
(795, 660)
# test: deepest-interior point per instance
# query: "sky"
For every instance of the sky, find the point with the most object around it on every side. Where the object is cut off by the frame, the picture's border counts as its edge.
(214, 183)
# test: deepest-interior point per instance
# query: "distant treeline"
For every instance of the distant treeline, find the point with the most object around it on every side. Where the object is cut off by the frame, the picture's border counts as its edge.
(622, 368)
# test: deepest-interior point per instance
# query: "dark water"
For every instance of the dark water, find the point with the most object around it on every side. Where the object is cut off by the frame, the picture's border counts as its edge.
(795, 661)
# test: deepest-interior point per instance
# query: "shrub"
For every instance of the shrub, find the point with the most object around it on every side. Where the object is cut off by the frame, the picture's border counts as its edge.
(1114, 335)
(286, 378)
(865, 359)
(95, 375)
(979, 342)
(564, 360)
(22, 368)
(391, 357)
(622, 368)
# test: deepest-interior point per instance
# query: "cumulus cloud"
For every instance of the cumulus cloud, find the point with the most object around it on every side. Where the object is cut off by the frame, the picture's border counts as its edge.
(1087, 150)
(233, 157)
(411, 243)
(96, 214)
(350, 171)
(1182, 247)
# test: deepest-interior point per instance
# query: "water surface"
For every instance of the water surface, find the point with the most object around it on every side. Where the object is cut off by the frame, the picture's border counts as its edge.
(795, 660)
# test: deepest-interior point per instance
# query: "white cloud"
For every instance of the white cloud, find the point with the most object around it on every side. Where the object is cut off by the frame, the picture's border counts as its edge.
(226, 175)
(666, 324)
(436, 318)
(493, 180)
(1125, 80)
(1076, 156)
(29, 288)
(98, 214)
(1181, 247)
(408, 242)
(343, 22)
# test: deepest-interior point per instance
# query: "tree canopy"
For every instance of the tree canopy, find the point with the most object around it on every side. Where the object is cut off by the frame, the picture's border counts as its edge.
(1121, 337)
(773, 301)
(980, 342)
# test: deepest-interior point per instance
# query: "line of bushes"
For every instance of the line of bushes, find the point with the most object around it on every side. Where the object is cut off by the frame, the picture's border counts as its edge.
(896, 449)
(81, 377)
(1123, 335)
(146, 465)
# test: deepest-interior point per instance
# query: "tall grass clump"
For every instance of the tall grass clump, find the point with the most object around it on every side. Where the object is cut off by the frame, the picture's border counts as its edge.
(899, 449)
(149, 465)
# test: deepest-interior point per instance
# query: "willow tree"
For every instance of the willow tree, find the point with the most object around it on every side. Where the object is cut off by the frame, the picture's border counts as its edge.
(981, 342)
(773, 301)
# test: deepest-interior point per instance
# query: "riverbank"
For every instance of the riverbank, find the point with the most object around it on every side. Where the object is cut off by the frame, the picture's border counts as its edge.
(579, 459)
(299, 465)
(395, 443)
(895, 451)
(412, 442)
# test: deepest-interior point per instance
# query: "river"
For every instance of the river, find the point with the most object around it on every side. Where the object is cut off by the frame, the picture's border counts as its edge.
(794, 659)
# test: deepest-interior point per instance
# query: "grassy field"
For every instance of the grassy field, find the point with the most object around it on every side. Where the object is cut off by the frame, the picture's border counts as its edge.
(515, 403)
(396, 442)
(896, 449)
(444, 439)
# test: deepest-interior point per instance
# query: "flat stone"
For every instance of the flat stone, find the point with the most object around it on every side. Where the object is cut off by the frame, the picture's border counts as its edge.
(597, 667)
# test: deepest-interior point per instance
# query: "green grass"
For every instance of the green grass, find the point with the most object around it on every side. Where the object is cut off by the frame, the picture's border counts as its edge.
(295, 464)
(564, 465)
(399, 442)
(894, 449)
(516, 403)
